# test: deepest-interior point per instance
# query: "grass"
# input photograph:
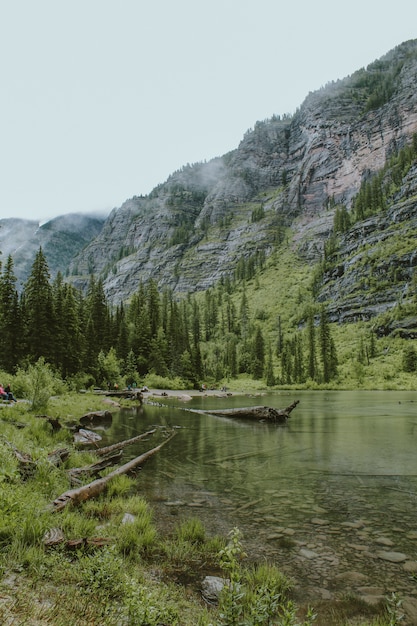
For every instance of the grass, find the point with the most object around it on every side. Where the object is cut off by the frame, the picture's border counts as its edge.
(141, 575)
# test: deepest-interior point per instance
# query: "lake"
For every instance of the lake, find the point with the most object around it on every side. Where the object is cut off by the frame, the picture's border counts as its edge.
(330, 496)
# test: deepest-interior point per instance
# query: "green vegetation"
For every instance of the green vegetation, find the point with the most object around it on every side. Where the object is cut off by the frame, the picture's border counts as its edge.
(129, 578)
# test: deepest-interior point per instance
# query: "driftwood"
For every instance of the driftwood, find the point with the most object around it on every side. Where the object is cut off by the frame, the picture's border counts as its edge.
(27, 465)
(94, 468)
(122, 444)
(258, 413)
(129, 394)
(81, 494)
(57, 457)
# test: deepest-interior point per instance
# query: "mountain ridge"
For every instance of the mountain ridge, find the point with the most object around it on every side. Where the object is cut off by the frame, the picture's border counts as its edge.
(193, 229)
(289, 172)
(61, 238)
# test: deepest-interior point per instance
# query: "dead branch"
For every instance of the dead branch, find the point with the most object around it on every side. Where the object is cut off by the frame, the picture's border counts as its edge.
(81, 494)
(122, 444)
(94, 468)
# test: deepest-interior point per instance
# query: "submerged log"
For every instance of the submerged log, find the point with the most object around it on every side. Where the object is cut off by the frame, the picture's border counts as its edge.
(123, 444)
(258, 413)
(95, 488)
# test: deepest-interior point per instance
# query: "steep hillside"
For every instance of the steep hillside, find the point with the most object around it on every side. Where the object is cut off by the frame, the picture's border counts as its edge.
(60, 239)
(287, 172)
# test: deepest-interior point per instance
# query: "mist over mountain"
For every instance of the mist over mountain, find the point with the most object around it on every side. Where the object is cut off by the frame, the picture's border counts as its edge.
(286, 180)
(61, 239)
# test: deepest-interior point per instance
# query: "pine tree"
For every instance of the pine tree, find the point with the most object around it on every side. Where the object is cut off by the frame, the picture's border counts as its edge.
(153, 302)
(10, 319)
(72, 336)
(269, 369)
(311, 347)
(258, 354)
(327, 348)
(40, 321)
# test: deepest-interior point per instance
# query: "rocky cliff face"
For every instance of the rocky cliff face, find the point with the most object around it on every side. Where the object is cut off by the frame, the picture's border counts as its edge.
(195, 227)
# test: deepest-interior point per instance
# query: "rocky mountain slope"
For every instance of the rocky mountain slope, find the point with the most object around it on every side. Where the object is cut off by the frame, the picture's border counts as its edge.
(60, 239)
(288, 172)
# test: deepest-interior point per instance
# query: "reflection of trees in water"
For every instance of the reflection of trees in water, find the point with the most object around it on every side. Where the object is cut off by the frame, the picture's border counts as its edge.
(263, 477)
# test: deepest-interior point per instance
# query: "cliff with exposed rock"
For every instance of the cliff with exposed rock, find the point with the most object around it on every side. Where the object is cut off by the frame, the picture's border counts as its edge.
(290, 172)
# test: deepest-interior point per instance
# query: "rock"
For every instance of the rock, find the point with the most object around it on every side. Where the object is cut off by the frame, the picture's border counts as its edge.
(409, 605)
(211, 588)
(84, 436)
(184, 398)
(320, 522)
(410, 566)
(384, 541)
(373, 600)
(353, 525)
(352, 577)
(412, 535)
(393, 557)
(128, 518)
(308, 554)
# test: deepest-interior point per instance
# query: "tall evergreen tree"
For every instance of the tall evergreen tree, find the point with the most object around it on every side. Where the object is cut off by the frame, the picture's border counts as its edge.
(269, 369)
(311, 346)
(327, 348)
(40, 321)
(153, 307)
(258, 354)
(10, 319)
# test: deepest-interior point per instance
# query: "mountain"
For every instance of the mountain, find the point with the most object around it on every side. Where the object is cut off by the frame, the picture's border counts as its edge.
(60, 239)
(287, 183)
(287, 179)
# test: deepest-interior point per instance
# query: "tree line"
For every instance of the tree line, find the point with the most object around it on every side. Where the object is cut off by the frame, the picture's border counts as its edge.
(203, 337)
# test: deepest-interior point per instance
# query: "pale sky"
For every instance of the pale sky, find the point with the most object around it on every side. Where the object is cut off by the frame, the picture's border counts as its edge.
(102, 100)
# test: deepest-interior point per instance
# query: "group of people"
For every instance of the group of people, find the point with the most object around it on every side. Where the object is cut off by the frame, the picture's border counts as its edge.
(6, 393)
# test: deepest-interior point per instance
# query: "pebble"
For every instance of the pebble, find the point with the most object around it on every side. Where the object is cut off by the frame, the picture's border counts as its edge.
(320, 522)
(308, 554)
(393, 557)
(384, 541)
(410, 566)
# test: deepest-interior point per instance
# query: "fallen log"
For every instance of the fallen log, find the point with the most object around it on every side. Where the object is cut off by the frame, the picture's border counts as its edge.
(94, 468)
(81, 494)
(27, 465)
(258, 413)
(122, 444)
(129, 394)
(58, 457)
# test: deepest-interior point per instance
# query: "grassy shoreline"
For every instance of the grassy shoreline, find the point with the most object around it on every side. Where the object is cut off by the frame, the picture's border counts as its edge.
(142, 576)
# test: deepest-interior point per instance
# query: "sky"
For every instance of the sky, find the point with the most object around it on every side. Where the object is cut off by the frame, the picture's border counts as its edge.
(102, 100)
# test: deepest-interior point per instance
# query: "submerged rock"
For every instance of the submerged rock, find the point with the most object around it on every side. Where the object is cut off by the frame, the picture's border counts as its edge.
(393, 557)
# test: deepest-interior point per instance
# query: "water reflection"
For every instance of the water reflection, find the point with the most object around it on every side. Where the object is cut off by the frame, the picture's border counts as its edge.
(343, 469)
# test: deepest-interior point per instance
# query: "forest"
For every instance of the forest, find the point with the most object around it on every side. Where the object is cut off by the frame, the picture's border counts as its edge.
(203, 337)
